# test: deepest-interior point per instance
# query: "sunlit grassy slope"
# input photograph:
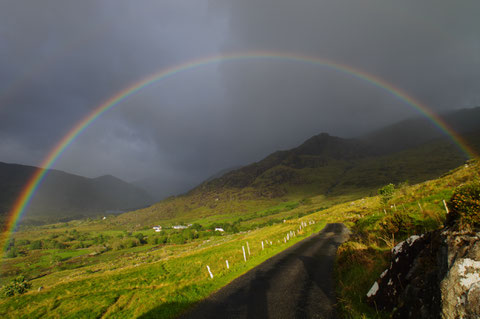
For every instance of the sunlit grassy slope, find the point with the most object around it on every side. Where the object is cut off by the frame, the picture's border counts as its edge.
(161, 280)
(339, 169)
(376, 230)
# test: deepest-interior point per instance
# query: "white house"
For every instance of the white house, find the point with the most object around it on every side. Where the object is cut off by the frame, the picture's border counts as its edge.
(157, 228)
(179, 227)
(219, 229)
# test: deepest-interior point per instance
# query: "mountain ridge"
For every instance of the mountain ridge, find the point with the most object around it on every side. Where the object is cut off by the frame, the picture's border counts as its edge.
(322, 165)
(64, 195)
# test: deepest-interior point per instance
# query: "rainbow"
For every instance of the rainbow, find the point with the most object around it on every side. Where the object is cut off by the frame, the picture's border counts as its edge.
(28, 191)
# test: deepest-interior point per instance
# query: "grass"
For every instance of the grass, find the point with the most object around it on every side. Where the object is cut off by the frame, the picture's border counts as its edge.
(366, 255)
(152, 280)
(143, 283)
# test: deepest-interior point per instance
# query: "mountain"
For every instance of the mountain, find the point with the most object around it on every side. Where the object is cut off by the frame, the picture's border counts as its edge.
(161, 187)
(65, 196)
(399, 136)
(419, 130)
(338, 168)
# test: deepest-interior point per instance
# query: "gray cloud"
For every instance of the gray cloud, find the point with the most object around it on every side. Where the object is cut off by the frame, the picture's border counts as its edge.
(60, 60)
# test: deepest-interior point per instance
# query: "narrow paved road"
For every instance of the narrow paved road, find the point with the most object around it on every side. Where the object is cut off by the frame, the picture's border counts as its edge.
(297, 283)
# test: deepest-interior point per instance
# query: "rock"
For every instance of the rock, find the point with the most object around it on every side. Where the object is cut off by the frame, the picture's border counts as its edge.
(461, 286)
(433, 275)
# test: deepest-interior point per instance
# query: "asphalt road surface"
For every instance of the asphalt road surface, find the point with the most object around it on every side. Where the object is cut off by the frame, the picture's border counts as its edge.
(297, 283)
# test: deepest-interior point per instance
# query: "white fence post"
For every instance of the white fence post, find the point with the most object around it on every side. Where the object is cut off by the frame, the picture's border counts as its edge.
(228, 266)
(244, 256)
(446, 207)
(211, 275)
(248, 248)
(262, 245)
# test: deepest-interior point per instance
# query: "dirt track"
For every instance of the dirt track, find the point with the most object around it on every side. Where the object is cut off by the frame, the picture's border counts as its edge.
(297, 283)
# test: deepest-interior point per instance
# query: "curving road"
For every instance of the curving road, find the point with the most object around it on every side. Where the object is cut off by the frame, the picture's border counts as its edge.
(297, 283)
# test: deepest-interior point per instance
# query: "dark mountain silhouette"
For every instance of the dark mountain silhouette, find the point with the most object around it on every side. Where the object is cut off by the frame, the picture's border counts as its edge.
(64, 195)
(419, 130)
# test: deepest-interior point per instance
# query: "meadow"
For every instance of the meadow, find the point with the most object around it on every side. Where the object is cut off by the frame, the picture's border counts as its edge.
(105, 268)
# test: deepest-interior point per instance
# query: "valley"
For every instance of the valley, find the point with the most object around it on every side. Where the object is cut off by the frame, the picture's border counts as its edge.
(152, 262)
(145, 276)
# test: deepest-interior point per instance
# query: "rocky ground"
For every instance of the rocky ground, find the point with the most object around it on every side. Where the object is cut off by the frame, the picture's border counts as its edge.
(434, 275)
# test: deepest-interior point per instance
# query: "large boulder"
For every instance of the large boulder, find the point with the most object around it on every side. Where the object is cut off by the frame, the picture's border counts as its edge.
(433, 275)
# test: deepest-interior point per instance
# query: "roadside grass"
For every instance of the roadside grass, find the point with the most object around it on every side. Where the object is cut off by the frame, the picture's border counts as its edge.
(412, 210)
(151, 283)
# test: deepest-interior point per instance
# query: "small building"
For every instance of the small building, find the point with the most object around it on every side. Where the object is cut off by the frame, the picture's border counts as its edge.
(157, 228)
(219, 229)
(180, 227)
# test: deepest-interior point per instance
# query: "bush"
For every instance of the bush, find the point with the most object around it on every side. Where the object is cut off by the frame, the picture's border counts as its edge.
(399, 223)
(132, 242)
(37, 244)
(176, 239)
(118, 245)
(17, 286)
(152, 240)
(386, 193)
(12, 252)
(464, 206)
(141, 238)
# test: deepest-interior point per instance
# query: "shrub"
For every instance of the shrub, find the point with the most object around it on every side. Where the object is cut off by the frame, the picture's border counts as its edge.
(17, 286)
(118, 245)
(399, 223)
(37, 244)
(12, 252)
(132, 242)
(464, 205)
(22, 242)
(176, 239)
(152, 240)
(386, 193)
(141, 238)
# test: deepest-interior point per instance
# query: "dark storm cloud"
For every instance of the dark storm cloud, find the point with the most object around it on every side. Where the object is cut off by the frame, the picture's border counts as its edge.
(60, 60)
(428, 49)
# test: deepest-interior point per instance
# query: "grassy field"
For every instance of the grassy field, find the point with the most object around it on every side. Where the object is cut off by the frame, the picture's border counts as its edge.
(149, 281)
(411, 210)
(106, 268)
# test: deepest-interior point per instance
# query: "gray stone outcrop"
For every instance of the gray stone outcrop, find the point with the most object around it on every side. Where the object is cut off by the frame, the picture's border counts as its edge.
(434, 275)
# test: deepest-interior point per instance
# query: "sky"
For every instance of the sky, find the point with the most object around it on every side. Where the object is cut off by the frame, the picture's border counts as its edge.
(59, 60)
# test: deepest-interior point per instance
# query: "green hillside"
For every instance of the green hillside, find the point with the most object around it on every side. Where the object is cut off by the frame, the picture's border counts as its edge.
(120, 267)
(97, 268)
(338, 169)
